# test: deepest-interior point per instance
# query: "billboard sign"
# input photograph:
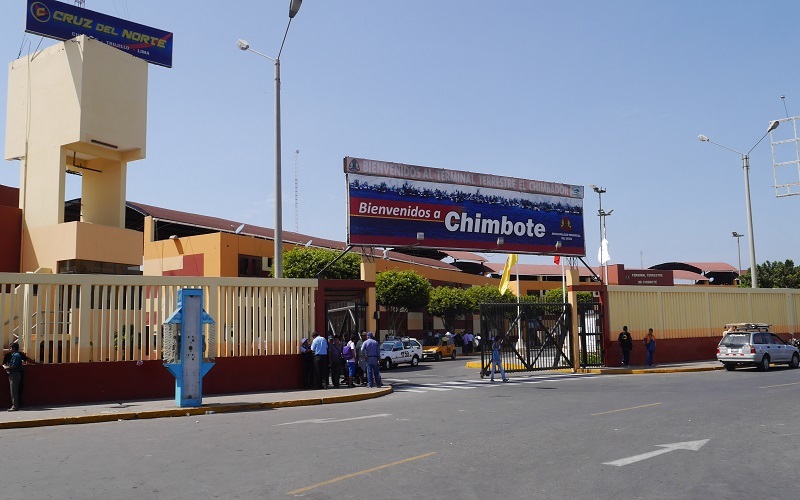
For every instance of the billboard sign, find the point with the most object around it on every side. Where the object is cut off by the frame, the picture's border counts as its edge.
(393, 204)
(63, 21)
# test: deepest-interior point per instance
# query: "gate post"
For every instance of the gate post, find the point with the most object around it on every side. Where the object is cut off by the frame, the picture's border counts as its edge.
(573, 278)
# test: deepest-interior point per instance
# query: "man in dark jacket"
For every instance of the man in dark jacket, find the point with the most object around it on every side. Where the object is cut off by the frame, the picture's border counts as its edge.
(626, 344)
(12, 362)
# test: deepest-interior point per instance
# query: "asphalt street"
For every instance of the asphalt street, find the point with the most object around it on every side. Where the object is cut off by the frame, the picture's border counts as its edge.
(446, 434)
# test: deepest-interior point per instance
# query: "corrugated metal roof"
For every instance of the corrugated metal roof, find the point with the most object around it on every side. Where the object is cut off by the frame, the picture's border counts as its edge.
(713, 267)
(700, 267)
(536, 269)
(230, 226)
(688, 275)
(469, 256)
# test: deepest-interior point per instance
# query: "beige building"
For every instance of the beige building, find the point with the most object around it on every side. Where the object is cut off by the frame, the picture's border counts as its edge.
(80, 107)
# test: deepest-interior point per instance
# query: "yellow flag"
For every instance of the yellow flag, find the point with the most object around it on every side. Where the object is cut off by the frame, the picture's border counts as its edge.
(512, 259)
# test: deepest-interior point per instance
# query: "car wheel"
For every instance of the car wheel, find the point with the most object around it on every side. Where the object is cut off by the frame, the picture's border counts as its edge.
(795, 361)
(453, 356)
(387, 364)
(438, 356)
(764, 364)
(414, 361)
(729, 366)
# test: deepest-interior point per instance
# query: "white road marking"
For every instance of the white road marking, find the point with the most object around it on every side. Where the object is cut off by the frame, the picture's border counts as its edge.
(330, 420)
(665, 448)
(447, 385)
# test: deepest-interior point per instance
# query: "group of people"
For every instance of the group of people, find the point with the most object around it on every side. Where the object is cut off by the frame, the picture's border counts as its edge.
(332, 362)
(626, 345)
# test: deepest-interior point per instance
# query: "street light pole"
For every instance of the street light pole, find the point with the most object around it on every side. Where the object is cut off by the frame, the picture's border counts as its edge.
(746, 166)
(294, 6)
(739, 250)
(602, 215)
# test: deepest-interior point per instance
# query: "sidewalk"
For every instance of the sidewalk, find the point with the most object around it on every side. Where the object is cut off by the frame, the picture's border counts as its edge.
(159, 408)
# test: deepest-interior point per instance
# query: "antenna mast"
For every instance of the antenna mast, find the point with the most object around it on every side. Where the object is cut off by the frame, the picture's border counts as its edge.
(80, 3)
(296, 203)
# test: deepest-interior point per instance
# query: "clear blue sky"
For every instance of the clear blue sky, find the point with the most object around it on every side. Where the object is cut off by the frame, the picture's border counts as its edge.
(609, 93)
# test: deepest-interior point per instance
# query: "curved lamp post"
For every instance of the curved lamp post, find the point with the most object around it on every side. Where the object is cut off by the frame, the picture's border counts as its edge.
(746, 166)
(294, 6)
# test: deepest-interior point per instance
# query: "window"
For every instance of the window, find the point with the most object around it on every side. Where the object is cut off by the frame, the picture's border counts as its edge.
(251, 266)
(777, 340)
(80, 266)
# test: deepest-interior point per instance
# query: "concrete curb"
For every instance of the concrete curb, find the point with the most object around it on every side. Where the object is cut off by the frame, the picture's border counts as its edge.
(618, 371)
(187, 412)
(640, 371)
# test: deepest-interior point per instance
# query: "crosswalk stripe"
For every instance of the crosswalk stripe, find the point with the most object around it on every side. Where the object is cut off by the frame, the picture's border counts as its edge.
(449, 385)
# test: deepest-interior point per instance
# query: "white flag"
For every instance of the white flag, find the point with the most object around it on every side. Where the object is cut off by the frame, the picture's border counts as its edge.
(602, 253)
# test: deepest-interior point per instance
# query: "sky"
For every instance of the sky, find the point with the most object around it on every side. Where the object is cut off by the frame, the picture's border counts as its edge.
(608, 93)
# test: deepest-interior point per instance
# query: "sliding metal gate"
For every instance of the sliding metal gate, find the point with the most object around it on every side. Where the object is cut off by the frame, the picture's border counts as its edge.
(537, 336)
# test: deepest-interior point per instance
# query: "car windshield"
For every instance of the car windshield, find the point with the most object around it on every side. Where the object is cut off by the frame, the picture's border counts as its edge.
(735, 339)
(387, 346)
(430, 341)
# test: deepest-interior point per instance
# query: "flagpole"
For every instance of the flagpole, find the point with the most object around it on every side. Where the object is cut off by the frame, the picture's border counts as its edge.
(519, 292)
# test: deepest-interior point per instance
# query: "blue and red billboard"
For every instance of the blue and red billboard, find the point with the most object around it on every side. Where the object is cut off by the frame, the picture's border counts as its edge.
(393, 205)
(63, 21)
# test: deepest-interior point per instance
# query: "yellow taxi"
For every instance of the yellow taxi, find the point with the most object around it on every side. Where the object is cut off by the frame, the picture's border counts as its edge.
(438, 347)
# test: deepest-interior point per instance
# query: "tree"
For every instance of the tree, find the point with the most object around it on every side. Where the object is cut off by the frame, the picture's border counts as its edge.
(399, 291)
(773, 275)
(557, 295)
(488, 294)
(448, 303)
(303, 262)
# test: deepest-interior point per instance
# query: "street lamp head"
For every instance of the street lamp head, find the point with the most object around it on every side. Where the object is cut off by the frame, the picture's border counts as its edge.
(737, 235)
(243, 44)
(773, 125)
(596, 189)
(294, 6)
(702, 138)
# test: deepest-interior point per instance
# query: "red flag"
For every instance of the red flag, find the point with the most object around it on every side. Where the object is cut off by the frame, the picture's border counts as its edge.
(557, 260)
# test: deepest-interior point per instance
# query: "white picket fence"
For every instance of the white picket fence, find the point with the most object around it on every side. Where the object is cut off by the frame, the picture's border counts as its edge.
(73, 318)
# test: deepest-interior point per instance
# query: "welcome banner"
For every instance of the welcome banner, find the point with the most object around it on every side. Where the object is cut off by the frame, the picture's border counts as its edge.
(392, 204)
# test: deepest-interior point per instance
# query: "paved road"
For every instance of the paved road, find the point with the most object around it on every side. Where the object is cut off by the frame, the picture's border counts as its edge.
(553, 439)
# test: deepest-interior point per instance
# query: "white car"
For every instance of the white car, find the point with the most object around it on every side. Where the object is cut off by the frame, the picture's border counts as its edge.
(753, 344)
(395, 351)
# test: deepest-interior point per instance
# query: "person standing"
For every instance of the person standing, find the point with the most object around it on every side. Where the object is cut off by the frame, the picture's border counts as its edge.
(626, 344)
(13, 367)
(335, 361)
(649, 347)
(361, 367)
(307, 360)
(349, 355)
(497, 361)
(319, 346)
(372, 353)
(468, 339)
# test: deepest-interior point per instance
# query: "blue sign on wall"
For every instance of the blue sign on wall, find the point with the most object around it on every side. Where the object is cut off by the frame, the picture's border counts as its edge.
(64, 21)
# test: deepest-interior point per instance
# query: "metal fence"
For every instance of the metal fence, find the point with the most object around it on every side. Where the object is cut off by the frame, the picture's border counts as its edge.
(590, 330)
(81, 318)
(537, 336)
